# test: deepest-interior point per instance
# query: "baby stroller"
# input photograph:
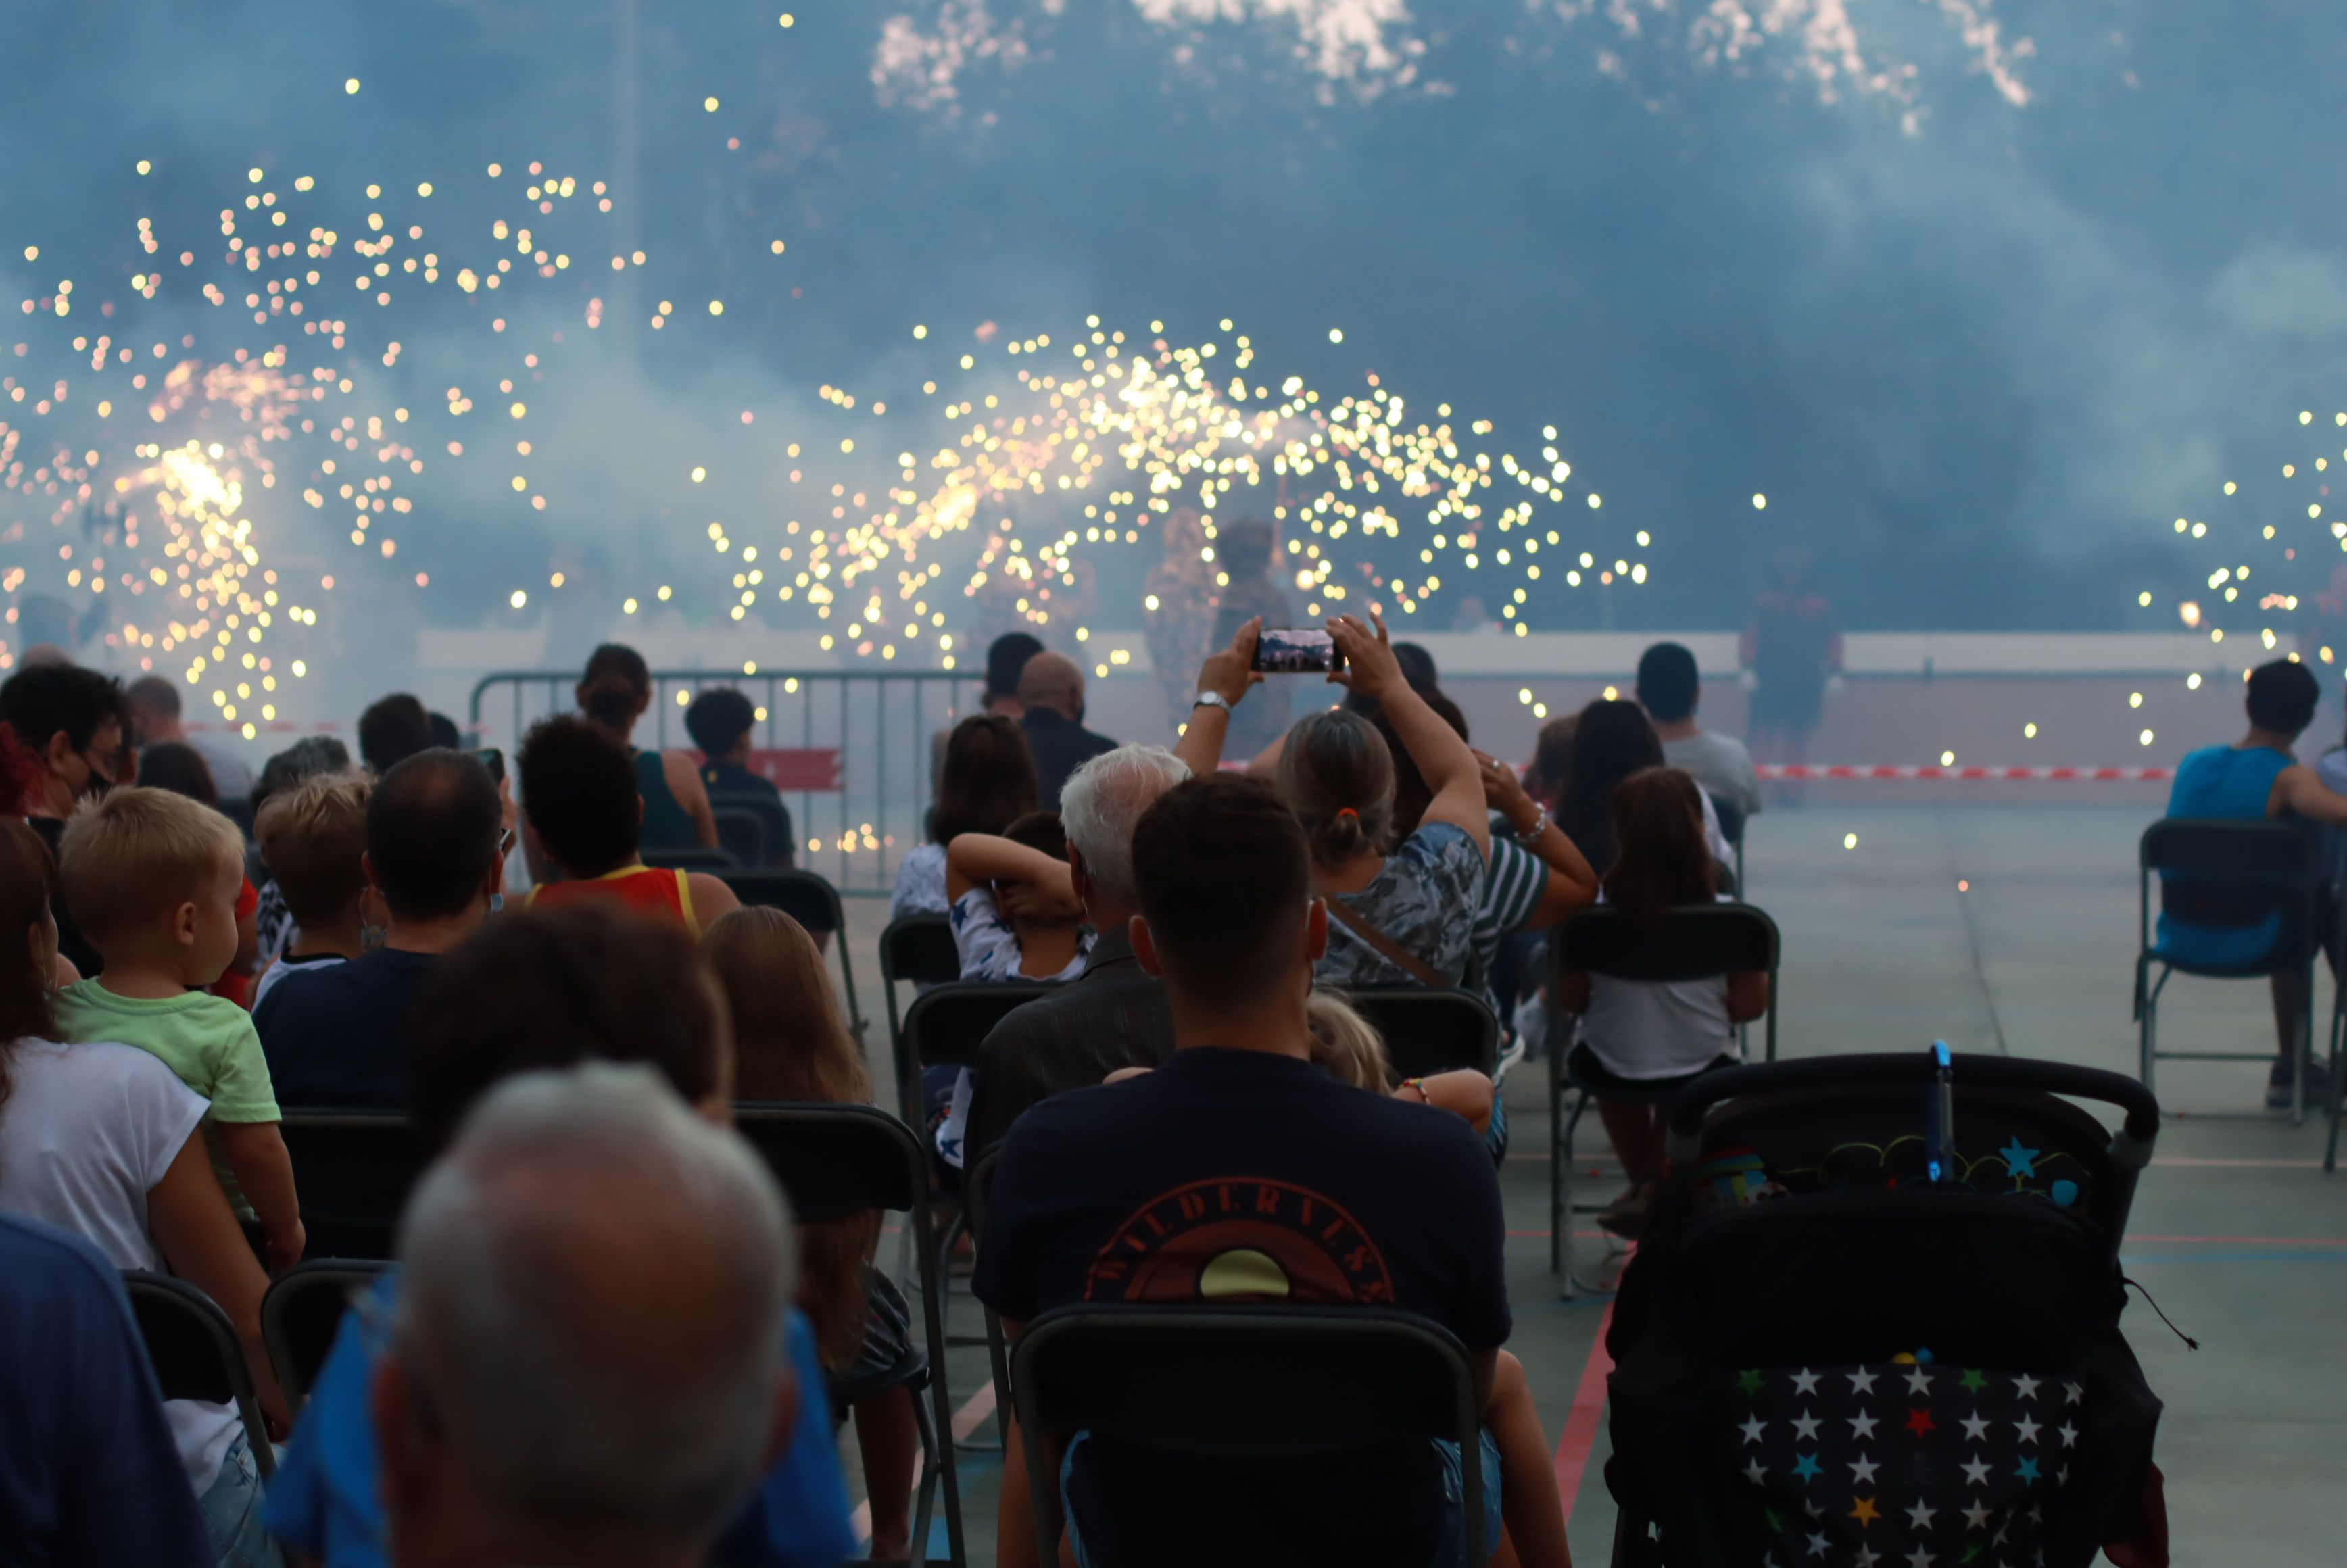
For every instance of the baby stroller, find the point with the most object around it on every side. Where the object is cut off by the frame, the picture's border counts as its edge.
(1875, 1320)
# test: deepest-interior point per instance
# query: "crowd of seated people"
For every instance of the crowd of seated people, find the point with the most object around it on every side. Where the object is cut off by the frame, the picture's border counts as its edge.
(605, 1338)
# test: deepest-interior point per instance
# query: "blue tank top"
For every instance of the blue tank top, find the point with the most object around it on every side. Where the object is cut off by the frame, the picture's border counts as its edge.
(667, 825)
(2234, 783)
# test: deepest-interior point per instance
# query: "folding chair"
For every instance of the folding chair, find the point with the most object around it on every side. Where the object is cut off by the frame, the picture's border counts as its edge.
(1696, 942)
(353, 1169)
(301, 1314)
(944, 1028)
(2229, 874)
(814, 903)
(919, 948)
(693, 858)
(1428, 1031)
(742, 833)
(196, 1354)
(839, 1160)
(1246, 1382)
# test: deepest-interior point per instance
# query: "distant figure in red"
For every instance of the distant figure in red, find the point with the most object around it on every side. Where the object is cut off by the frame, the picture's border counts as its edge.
(1791, 647)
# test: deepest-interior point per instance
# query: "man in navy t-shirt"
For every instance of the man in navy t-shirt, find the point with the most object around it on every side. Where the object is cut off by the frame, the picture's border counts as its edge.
(88, 1473)
(1238, 1171)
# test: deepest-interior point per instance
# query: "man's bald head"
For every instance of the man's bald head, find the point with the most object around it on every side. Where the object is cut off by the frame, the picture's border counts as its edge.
(592, 1309)
(1053, 680)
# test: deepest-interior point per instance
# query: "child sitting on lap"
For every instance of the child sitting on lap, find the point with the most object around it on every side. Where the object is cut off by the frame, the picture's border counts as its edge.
(152, 879)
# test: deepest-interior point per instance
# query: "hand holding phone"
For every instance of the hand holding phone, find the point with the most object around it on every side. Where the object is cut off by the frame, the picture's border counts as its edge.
(1294, 650)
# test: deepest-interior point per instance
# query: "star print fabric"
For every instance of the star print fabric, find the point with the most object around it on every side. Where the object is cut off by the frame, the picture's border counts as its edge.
(1902, 1464)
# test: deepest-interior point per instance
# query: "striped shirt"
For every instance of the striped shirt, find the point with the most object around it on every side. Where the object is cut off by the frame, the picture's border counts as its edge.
(1511, 891)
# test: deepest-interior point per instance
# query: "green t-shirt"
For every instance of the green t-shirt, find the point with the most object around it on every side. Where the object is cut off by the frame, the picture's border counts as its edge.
(208, 1041)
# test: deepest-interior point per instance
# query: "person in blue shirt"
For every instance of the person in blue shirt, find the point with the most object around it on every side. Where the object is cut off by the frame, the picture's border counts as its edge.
(88, 1473)
(542, 989)
(2256, 778)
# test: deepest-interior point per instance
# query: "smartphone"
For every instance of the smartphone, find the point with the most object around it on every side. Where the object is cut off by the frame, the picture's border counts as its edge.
(494, 760)
(1294, 650)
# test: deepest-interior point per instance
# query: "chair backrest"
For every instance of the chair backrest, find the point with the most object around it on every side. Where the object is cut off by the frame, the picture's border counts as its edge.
(946, 1024)
(742, 833)
(1731, 818)
(693, 858)
(835, 1160)
(1696, 942)
(353, 1169)
(2280, 856)
(196, 1353)
(1244, 1382)
(1429, 1030)
(301, 1314)
(919, 948)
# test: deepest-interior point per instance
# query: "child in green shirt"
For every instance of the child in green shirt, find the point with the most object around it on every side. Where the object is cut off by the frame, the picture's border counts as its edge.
(152, 878)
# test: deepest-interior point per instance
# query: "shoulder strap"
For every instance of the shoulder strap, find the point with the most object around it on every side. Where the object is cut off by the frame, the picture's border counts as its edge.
(1393, 952)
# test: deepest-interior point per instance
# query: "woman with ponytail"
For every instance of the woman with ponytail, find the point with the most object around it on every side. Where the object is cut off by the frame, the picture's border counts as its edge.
(613, 694)
(1397, 912)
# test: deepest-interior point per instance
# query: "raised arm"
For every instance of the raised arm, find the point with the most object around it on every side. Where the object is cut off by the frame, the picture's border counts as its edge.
(1443, 758)
(1227, 673)
(976, 859)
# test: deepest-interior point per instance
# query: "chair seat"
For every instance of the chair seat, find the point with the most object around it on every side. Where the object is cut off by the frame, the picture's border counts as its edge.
(2270, 964)
(909, 1370)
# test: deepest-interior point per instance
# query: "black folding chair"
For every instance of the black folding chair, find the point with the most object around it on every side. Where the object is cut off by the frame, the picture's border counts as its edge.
(920, 950)
(2229, 874)
(693, 858)
(196, 1354)
(1242, 1382)
(1428, 1031)
(742, 833)
(814, 903)
(1696, 942)
(839, 1160)
(301, 1314)
(353, 1169)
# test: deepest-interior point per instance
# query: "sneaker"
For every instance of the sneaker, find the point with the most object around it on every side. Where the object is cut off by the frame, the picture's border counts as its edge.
(1625, 1216)
(2277, 1083)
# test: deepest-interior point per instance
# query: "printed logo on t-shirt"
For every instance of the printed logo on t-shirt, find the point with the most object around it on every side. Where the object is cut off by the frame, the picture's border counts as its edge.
(1240, 1239)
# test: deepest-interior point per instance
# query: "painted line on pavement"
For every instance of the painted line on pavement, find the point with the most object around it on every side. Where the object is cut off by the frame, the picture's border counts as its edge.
(1579, 1437)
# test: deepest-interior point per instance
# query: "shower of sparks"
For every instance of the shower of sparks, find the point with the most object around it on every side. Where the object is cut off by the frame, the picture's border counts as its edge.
(155, 448)
(1373, 506)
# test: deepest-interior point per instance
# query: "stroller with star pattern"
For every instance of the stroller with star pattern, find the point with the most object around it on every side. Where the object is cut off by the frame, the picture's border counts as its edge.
(1875, 1320)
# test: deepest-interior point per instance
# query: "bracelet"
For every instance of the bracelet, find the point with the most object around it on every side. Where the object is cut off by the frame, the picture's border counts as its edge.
(1418, 1084)
(1211, 700)
(1538, 826)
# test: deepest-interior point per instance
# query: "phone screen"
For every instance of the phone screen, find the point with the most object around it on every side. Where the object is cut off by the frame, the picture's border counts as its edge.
(494, 760)
(1294, 650)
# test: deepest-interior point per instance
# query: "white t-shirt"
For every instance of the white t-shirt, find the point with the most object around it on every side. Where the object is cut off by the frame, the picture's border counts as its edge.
(284, 967)
(1657, 1028)
(920, 883)
(86, 1133)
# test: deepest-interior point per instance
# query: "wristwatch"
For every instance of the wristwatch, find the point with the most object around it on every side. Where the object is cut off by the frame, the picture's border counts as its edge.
(1211, 700)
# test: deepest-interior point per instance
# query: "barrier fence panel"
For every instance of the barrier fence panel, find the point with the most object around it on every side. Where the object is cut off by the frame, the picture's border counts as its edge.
(849, 749)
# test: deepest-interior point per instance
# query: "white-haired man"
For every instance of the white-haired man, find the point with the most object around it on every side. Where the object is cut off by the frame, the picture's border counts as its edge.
(584, 1364)
(1113, 1015)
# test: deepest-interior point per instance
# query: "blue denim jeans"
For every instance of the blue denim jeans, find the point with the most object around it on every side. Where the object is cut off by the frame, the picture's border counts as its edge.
(1449, 1546)
(231, 1509)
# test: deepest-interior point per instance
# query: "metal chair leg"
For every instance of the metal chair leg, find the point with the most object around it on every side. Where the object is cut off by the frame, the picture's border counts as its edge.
(2338, 1043)
(1569, 1288)
(925, 1493)
(2303, 1048)
(1556, 1170)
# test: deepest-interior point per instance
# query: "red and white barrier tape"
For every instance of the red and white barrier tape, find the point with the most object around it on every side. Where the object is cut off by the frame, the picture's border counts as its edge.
(1799, 771)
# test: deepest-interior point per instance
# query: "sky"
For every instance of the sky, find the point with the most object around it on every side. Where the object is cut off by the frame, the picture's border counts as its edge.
(1982, 298)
